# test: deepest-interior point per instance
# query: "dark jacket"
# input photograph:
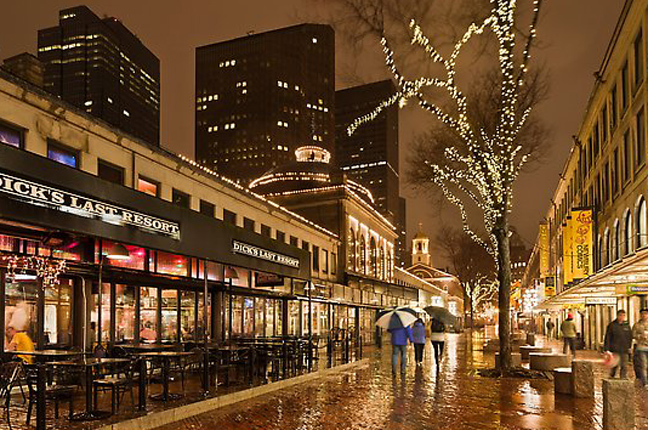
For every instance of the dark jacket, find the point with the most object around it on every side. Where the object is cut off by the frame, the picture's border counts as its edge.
(400, 336)
(618, 337)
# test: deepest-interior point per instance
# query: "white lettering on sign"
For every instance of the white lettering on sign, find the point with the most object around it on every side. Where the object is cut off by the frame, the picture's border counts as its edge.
(600, 300)
(42, 195)
(264, 254)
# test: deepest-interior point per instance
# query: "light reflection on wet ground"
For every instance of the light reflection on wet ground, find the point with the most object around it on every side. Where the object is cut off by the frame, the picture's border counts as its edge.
(450, 398)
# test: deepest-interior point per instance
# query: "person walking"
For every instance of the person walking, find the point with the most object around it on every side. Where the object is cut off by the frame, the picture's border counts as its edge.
(618, 340)
(640, 336)
(418, 336)
(568, 333)
(400, 337)
(437, 336)
(550, 327)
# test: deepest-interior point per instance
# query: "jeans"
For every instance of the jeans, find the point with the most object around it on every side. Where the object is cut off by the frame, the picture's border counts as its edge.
(437, 345)
(418, 352)
(569, 343)
(399, 351)
(642, 357)
(622, 366)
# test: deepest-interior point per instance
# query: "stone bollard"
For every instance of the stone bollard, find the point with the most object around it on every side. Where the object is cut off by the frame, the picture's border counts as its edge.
(516, 359)
(583, 378)
(562, 380)
(618, 404)
(530, 339)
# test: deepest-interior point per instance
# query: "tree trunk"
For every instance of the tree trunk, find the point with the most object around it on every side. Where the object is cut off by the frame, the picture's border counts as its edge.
(472, 313)
(501, 232)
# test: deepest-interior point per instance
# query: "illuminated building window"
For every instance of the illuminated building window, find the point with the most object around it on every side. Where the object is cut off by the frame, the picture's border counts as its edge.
(314, 39)
(62, 154)
(88, 103)
(126, 113)
(148, 186)
(181, 199)
(110, 100)
(10, 136)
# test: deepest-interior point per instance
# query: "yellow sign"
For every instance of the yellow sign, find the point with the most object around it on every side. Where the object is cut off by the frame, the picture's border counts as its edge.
(543, 244)
(582, 240)
(567, 252)
(550, 286)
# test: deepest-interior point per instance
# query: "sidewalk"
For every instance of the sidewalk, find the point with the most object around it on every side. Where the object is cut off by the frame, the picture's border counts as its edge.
(453, 398)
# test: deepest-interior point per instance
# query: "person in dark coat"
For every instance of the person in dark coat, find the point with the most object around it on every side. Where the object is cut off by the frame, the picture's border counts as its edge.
(618, 339)
(418, 337)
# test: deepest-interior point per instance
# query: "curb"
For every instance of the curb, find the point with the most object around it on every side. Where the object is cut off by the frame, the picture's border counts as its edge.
(158, 419)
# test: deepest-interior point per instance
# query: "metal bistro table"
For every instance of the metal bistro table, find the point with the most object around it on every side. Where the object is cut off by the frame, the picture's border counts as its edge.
(166, 357)
(228, 352)
(45, 354)
(147, 347)
(89, 364)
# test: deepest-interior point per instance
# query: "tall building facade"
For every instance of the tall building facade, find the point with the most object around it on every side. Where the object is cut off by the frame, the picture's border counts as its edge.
(26, 67)
(370, 155)
(262, 96)
(98, 65)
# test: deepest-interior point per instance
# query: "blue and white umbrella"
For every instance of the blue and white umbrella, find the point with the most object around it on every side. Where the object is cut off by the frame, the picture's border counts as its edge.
(396, 318)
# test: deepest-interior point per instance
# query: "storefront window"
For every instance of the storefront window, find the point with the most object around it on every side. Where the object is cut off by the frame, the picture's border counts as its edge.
(125, 313)
(200, 328)
(188, 315)
(293, 317)
(105, 315)
(214, 271)
(279, 320)
(169, 327)
(259, 313)
(237, 315)
(58, 305)
(21, 294)
(148, 314)
(172, 264)
(136, 257)
(7, 243)
(248, 316)
(240, 277)
(270, 310)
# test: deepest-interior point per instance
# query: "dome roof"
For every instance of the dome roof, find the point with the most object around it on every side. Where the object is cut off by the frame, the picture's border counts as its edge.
(420, 234)
(311, 170)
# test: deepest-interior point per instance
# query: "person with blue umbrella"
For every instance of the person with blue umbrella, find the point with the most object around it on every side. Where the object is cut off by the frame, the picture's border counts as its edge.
(398, 321)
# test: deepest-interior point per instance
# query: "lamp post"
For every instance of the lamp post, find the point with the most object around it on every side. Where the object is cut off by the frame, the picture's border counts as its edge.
(117, 252)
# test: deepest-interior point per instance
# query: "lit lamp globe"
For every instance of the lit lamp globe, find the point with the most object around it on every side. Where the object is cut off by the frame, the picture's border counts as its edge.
(117, 252)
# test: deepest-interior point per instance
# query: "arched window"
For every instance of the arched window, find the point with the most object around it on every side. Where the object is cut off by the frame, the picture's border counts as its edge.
(363, 256)
(352, 251)
(373, 255)
(627, 236)
(642, 239)
(606, 247)
(615, 241)
(383, 263)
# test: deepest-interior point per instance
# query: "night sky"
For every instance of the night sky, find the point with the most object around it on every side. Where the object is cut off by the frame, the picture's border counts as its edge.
(574, 35)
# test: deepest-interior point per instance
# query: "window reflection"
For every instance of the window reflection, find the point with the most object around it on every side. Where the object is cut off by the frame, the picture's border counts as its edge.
(169, 322)
(20, 305)
(188, 315)
(58, 301)
(172, 264)
(248, 316)
(125, 313)
(148, 314)
(259, 313)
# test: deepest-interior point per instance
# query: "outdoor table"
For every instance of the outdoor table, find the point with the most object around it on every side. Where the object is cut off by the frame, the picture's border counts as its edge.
(89, 364)
(166, 357)
(147, 347)
(49, 353)
(228, 351)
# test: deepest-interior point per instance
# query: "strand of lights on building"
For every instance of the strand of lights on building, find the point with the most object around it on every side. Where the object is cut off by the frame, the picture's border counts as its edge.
(255, 195)
(47, 269)
(486, 171)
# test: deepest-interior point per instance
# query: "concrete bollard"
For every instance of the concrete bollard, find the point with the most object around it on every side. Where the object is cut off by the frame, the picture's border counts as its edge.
(516, 359)
(530, 339)
(618, 404)
(563, 380)
(547, 361)
(583, 378)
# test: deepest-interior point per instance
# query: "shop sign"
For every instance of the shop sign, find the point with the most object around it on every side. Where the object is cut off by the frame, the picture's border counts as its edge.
(63, 201)
(568, 274)
(600, 301)
(550, 286)
(631, 289)
(264, 254)
(544, 249)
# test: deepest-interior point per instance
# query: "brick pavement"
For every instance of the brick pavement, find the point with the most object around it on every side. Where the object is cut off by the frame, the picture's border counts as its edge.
(452, 398)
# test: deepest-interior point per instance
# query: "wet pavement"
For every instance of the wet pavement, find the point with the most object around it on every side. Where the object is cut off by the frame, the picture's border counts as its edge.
(452, 397)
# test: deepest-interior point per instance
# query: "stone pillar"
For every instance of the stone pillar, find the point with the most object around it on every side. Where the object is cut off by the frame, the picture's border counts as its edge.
(583, 378)
(618, 404)
(563, 380)
(530, 339)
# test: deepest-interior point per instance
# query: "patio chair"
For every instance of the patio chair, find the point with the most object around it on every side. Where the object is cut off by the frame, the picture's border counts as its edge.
(118, 382)
(55, 392)
(10, 376)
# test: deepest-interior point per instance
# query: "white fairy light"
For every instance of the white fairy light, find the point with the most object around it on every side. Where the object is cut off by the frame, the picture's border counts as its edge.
(482, 173)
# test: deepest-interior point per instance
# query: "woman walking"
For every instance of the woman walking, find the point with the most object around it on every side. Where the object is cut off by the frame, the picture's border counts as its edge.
(418, 334)
(437, 329)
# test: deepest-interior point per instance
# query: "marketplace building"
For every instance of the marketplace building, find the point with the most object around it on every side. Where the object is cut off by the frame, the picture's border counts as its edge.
(591, 257)
(107, 240)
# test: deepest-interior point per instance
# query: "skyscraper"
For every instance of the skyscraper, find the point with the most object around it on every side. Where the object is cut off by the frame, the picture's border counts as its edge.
(261, 96)
(98, 65)
(370, 156)
(26, 67)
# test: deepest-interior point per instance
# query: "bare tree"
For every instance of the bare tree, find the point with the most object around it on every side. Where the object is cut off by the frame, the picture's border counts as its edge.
(472, 265)
(480, 166)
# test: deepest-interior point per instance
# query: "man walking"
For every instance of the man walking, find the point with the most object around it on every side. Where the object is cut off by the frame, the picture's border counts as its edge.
(568, 332)
(640, 335)
(550, 327)
(400, 337)
(618, 339)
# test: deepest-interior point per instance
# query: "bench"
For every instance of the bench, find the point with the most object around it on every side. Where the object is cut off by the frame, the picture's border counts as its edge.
(525, 350)
(516, 359)
(547, 361)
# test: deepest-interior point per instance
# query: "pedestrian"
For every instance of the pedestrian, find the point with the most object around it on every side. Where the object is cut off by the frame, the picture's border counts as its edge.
(400, 338)
(640, 336)
(418, 336)
(550, 327)
(437, 336)
(618, 340)
(568, 333)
